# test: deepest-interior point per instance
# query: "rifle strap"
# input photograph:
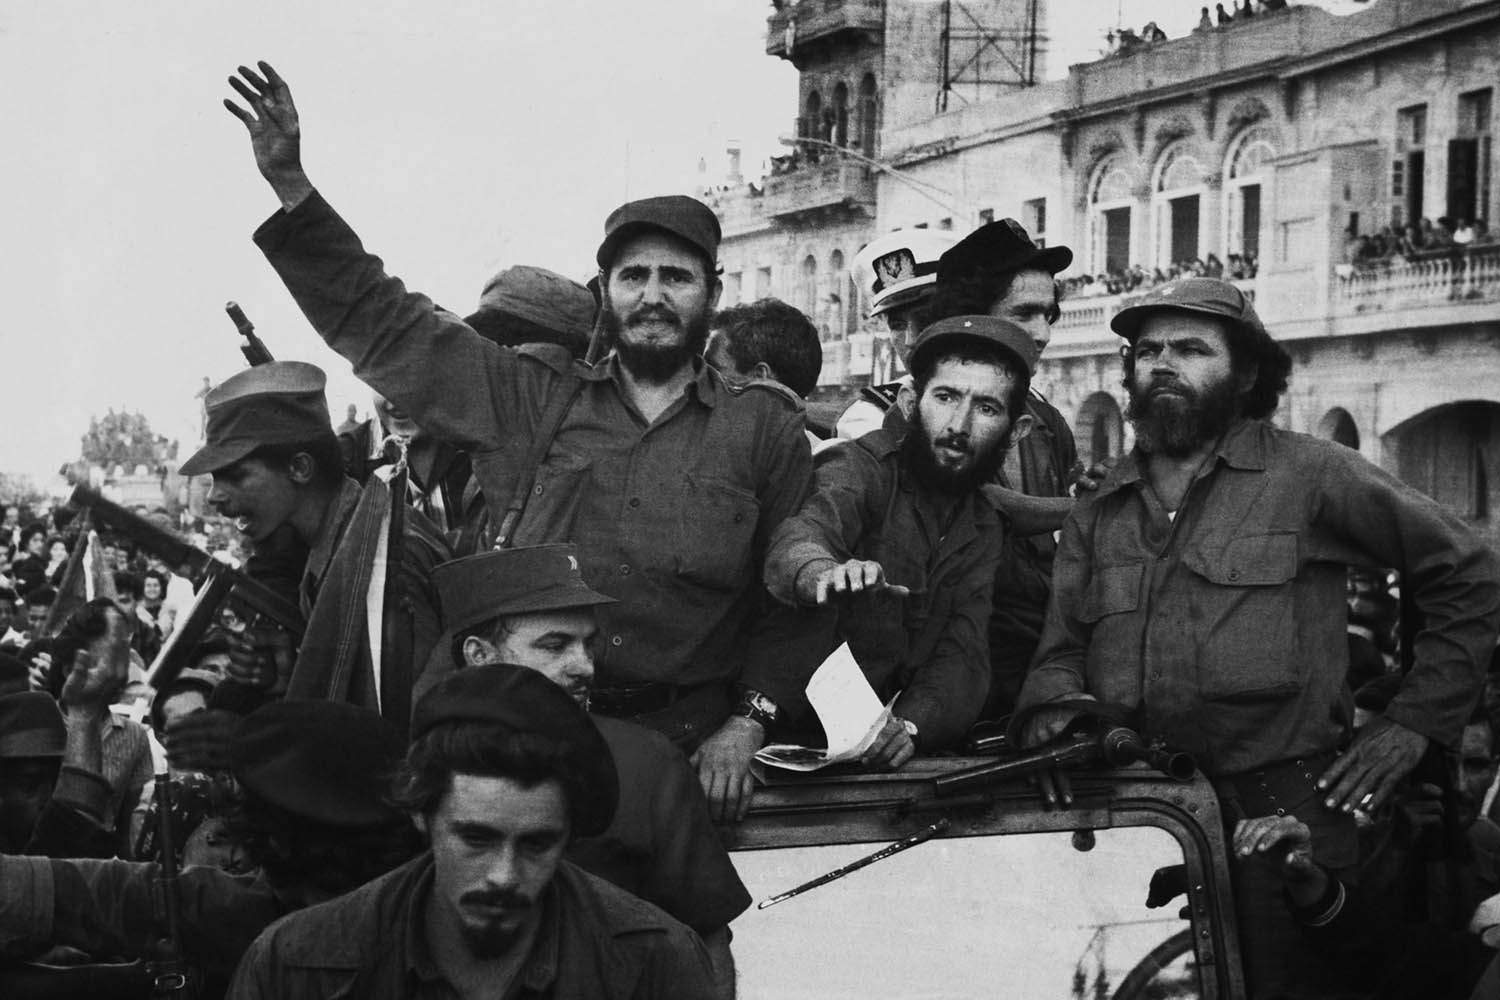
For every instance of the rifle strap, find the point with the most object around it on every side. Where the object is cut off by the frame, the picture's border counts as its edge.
(558, 405)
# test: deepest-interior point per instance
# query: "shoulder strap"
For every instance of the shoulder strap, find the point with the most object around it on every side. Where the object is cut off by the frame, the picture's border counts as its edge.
(558, 406)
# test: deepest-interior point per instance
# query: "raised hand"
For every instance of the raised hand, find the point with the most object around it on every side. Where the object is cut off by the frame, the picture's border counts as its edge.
(275, 131)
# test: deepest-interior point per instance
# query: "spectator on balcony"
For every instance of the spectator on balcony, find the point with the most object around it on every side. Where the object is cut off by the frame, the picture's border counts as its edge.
(1152, 33)
(1442, 234)
(1213, 267)
(1224, 17)
(1463, 233)
(1205, 21)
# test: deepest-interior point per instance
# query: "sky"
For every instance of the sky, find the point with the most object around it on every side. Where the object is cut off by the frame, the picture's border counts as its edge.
(456, 137)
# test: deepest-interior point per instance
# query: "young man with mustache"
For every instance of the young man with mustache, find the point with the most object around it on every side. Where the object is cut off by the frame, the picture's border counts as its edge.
(1203, 588)
(899, 537)
(529, 607)
(504, 771)
(669, 481)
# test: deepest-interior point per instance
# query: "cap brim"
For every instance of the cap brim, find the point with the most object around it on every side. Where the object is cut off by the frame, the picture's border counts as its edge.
(1127, 322)
(212, 457)
(920, 289)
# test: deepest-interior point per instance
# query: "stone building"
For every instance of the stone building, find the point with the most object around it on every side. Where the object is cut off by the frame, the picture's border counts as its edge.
(1281, 148)
(864, 67)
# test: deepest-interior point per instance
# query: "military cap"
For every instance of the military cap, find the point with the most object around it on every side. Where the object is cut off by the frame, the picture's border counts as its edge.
(686, 218)
(544, 300)
(1000, 247)
(490, 585)
(322, 761)
(900, 268)
(983, 329)
(281, 402)
(1201, 296)
(517, 700)
(31, 725)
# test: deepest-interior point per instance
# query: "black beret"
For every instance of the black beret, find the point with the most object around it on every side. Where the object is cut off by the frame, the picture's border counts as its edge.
(323, 761)
(519, 700)
(31, 725)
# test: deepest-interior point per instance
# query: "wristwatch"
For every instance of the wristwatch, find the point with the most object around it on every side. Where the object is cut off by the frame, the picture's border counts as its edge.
(756, 707)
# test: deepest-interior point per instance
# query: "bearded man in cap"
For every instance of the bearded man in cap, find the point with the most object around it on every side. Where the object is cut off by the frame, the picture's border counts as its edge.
(668, 480)
(529, 607)
(900, 537)
(505, 769)
(1202, 590)
(998, 271)
(898, 272)
(276, 466)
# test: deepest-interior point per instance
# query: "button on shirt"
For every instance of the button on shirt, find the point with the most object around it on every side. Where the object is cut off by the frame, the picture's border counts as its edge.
(1228, 622)
(671, 516)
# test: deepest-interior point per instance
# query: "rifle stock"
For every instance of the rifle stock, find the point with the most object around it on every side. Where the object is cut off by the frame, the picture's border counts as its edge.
(218, 584)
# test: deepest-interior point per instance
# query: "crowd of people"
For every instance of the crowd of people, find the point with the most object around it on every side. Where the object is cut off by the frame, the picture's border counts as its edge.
(1126, 40)
(1135, 278)
(582, 564)
(1416, 241)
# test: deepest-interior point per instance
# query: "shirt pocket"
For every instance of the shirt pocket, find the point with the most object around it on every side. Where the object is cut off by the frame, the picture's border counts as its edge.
(552, 505)
(717, 533)
(1112, 590)
(1245, 615)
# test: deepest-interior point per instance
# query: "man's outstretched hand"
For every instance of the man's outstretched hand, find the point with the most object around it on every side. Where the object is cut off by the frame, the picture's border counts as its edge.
(840, 581)
(275, 132)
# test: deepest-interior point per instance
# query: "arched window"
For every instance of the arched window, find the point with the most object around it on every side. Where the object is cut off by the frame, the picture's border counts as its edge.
(1110, 204)
(1247, 178)
(841, 114)
(837, 306)
(808, 127)
(869, 115)
(807, 292)
(1100, 429)
(1176, 197)
(1338, 426)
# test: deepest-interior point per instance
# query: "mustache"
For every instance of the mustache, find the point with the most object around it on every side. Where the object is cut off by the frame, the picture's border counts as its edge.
(499, 898)
(661, 313)
(958, 442)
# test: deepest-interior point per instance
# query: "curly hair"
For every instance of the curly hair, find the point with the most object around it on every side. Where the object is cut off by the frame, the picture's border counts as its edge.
(780, 335)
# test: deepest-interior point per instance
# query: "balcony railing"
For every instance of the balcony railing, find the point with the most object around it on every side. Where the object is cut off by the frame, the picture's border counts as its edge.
(826, 185)
(1453, 278)
(797, 24)
(1089, 316)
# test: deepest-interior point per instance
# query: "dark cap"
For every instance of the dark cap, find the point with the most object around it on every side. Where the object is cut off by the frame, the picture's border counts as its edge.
(984, 329)
(281, 402)
(1204, 296)
(518, 700)
(677, 215)
(544, 300)
(31, 725)
(323, 761)
(490, 585)
(1000, 247)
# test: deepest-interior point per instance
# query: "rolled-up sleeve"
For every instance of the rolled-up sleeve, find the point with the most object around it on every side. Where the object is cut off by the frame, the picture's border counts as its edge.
(830, 523)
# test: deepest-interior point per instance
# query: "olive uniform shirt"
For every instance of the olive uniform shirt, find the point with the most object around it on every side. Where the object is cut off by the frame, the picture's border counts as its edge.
(1227, 623)
(930, 646)
(670, 517)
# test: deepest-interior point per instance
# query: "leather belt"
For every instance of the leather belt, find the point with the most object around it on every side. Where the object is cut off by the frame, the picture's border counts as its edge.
(625, 700)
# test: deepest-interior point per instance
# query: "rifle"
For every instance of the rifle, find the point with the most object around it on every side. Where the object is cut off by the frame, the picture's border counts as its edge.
(218, 584)
(1109, 744)
(171, 976)
(252, 347)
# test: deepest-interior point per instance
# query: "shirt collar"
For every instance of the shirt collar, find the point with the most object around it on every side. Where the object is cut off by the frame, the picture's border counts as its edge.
(705, 386)
(328, 533)
(1243, 446)
(538, 971)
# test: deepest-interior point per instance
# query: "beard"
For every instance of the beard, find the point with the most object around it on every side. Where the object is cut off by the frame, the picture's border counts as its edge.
(655, 363)
(493, 938)
(919, 451)
(1175, 420)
